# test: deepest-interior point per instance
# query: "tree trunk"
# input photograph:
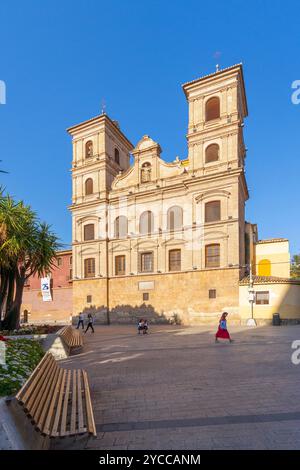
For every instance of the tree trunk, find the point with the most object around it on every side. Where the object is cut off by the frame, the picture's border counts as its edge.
(3, 291)
(10, 291)
(12, 318)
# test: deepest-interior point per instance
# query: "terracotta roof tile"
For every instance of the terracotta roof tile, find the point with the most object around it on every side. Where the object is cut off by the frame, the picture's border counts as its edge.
(269, 280)
(272, 240)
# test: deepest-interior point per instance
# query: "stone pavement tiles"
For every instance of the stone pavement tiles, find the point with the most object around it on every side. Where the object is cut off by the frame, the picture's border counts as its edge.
(176, 389)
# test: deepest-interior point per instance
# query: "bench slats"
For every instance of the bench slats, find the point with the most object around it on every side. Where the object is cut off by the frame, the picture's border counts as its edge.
(50, 412)
(89, 411)
(54, 431)
(36, 397)
(74, 402)
(71, 337)
(27, 389)
(63, 425)
(80, 407)
(45, 399)
(58, 400)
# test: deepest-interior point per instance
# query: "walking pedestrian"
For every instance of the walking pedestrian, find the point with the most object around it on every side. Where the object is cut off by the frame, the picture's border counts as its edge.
(80, 321)
(222, 330)
(90, 321)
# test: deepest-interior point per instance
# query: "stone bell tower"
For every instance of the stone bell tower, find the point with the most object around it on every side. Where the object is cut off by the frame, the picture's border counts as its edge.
(216, 149)
(100, 152)
(217, 108)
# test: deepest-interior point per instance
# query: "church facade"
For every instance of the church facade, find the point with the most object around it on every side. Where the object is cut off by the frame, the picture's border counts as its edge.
(166, 240)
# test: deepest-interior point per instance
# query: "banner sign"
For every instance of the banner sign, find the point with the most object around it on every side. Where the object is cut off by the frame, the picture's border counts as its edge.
(45, 287)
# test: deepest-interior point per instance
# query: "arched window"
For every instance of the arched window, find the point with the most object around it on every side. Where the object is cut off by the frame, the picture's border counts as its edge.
(212, 153)
(121, 227)
(146, 172)
(212, 211)
(25, 316)
(89, 232)
(212, 109)
(89, 149)
(89, 186)
(264, 267)
(175, 216)
(117, 156)
(146, 223)
(89, 267)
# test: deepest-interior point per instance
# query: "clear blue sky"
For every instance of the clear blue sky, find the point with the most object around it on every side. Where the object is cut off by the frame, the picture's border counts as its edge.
(59, 59)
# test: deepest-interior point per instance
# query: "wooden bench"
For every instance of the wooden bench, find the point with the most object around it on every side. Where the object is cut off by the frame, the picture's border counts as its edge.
(57, 400)
(71, 337)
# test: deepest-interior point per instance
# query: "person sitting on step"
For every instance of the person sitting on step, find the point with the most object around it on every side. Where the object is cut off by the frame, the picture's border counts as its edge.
(145, 328)
(140, 326)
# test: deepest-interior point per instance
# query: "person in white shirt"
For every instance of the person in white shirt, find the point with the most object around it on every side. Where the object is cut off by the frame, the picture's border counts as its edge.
(80, 321)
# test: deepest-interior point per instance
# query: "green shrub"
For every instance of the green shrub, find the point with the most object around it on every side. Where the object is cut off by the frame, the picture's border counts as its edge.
(31, 330)
(22, 356)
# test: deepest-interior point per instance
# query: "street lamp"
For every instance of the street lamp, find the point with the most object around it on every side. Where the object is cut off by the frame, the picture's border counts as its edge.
(251, 321)
(251, 297)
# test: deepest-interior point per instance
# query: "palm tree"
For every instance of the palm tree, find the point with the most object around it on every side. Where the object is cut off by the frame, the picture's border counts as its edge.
(2, 171)
(27, 247)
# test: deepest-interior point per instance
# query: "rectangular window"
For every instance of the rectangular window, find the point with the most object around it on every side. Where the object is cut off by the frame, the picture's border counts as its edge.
(146, 262)
(262, 298)
(174, 260)
(212, 256)
(145, 296)
(212, 294)
(88, 299)
(212, 211)
(89, 267)
(120, 265)
(71, 260)
(89, 232)
(70, 274)
(59, 262)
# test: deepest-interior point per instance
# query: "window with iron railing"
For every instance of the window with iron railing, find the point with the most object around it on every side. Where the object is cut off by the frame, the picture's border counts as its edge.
(262, 298)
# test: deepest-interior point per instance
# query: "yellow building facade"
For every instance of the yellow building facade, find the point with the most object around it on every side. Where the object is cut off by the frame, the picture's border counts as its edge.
(161, 240)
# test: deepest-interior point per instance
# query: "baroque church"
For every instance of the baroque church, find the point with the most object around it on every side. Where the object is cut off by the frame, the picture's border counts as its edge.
(167, 239)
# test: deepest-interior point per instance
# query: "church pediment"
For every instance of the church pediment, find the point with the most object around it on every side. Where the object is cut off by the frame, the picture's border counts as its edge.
(148, 168)
(145, 144)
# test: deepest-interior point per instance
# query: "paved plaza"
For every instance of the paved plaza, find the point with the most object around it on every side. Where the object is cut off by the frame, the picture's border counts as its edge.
(176, 389)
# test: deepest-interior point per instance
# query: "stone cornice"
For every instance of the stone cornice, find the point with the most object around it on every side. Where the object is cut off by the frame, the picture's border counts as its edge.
(98, 120)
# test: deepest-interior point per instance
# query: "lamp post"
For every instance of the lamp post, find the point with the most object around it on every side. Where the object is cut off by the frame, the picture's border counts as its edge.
(251, 321)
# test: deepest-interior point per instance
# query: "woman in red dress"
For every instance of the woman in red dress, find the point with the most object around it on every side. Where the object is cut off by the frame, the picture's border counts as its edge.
(222, 330)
